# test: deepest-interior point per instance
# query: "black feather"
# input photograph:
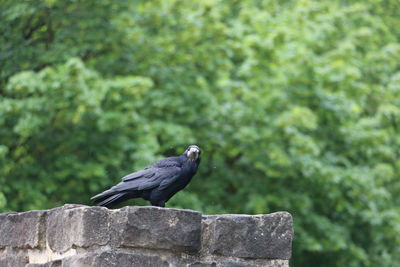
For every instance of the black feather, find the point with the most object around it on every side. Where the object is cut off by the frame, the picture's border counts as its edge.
(156, 183)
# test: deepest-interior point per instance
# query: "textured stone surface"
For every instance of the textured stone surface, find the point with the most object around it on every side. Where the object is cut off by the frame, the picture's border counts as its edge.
(77, 226)
(255, 237)
(56, 263)
(112, 258)
(268, 263)
(14, 261)
(77, 235)
(241, 263)
(22, 230)
(158, 228)
(202, 264)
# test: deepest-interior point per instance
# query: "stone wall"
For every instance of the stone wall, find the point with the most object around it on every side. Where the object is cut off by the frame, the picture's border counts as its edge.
(76, 235)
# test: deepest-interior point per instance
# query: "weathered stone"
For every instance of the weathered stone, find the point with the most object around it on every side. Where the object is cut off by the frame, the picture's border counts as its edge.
(22, 230)
(158, 228)
(79, 226)
(114, 258)
(14, 261)
(242, 263)
(79, 235)
(73, 206)
(265, 263)
(202, 264)
(56, 263)
(245, 236)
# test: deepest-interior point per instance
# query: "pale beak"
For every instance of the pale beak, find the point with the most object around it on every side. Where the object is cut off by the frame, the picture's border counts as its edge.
(193, 154)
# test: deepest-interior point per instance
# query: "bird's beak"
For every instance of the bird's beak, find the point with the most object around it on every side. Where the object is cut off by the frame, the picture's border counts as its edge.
(193, 154)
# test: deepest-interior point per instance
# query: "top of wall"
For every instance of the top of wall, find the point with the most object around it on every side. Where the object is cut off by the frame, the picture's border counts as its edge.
(46, 235)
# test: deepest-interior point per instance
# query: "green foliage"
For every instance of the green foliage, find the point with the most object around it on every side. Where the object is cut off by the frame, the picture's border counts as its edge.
(296, 105)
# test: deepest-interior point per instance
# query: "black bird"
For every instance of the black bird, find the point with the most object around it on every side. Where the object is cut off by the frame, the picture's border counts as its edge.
(156, 183)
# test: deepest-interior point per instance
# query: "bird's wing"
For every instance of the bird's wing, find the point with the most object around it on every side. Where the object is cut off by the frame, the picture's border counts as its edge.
(151, 177)
(161, 175)
(167, 163)
(145, 173)
(144, 179)
(168, 181)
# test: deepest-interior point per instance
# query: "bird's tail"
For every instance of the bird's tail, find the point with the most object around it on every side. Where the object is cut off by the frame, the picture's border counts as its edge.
(112, 200)
(109, 200)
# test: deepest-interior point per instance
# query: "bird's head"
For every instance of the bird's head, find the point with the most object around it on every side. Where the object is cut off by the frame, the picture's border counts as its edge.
(193, 152)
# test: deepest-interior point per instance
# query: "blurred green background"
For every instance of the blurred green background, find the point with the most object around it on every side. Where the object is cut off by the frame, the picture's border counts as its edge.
(295, 104)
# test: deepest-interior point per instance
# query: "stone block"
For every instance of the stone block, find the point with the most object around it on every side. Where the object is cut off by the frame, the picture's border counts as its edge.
(114, 258)
(265, 263)
(77, 235)
(77, 226)
(241, 263)
(245, 236)
(55, 263)
(202, 264)
(158, 228)
(14, 261)
(22, 230)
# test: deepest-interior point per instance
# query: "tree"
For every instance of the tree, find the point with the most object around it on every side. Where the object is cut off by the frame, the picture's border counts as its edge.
(294, 103)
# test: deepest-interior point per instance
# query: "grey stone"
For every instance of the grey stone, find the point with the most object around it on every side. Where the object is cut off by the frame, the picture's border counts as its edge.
(55, 263)
(114, 258)
(143, 236)
(254, 237)
(72, 206)
(79, 226)
(158, 228)
(241, 263)
(265, 263)
(14, 261)
(22, 230)
(202, 264)
(238, 264)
